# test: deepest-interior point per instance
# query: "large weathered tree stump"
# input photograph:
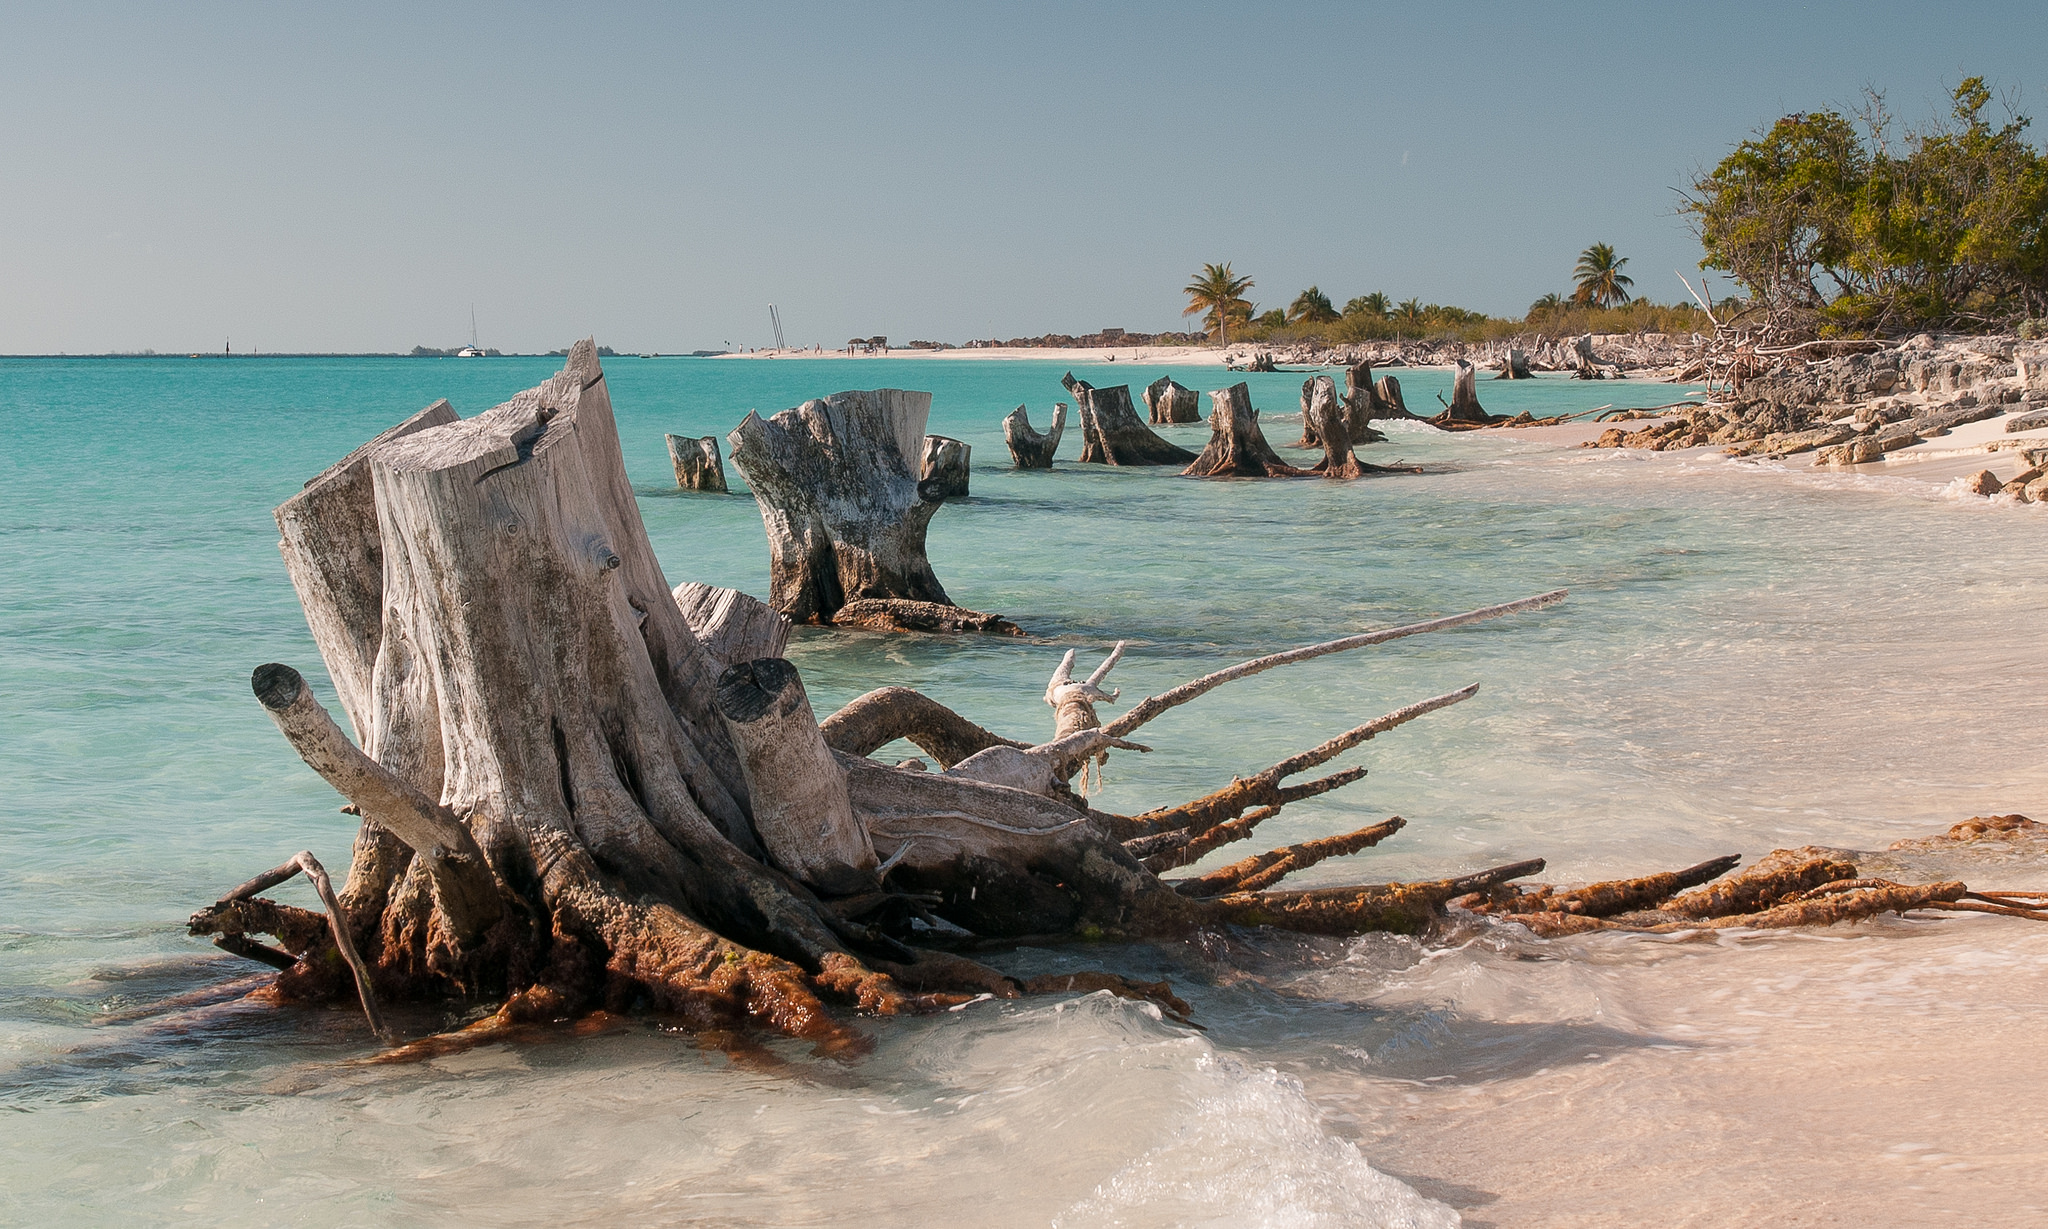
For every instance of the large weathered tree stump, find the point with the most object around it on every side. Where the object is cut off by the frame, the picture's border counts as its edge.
(1111, 433)
(697, 463)
(1362, 404)
(1169, 401)
(836, 479)
(1327, 420)
(1237, 447)
(578, 791)
(942, 470)
(1514, 365)
(1028, 448)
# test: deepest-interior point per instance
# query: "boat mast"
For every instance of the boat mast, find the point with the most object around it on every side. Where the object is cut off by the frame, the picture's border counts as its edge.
(775, 318)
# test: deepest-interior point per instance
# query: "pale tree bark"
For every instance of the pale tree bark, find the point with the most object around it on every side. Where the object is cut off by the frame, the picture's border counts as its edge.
(1111, 433)
(1028, 448)
(696, 462)
(1169, 401)
(836, 479)
(943, 468)
(1237, 448)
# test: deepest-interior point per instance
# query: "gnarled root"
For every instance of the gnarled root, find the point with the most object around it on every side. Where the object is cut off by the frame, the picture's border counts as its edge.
(1399, 908)
(1263, 870)
(886, 714)
(1600, 899)
(233, 916)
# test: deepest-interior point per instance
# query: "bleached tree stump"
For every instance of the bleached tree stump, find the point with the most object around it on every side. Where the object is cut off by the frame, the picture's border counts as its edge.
(836, 479)
(943, 468)
(697, 463)
(1237, 447)
(1362, 404)
(1169, 401)
(1028, 448)
(1111, 433)
(1464, 408)
(1327, 420)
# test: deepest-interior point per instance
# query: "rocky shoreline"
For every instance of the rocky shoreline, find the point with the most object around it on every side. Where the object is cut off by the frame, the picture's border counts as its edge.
(1889, 401)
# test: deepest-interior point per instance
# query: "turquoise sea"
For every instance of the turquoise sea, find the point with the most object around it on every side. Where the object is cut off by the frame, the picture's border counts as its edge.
(1752, 657)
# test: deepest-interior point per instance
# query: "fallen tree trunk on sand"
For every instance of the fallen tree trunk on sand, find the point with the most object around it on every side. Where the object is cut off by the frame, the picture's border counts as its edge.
(1169, 401)
(846, 514)
(1028, 448)
(1237, 448)
(697, 463)
(1110, 431)
(569, 801)
(943, 468)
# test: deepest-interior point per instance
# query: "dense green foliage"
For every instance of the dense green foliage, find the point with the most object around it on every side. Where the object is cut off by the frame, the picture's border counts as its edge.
(1830, 222)
(1598, 278)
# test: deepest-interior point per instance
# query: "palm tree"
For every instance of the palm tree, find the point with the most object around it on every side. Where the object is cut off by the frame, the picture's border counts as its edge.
(1408, 312)
(1311, 306)
(1599, 277)
(1374, 304)
(1548, 303)
(1219, 293)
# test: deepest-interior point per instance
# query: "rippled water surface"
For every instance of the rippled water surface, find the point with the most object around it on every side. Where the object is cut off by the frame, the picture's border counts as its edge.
(1750, 659)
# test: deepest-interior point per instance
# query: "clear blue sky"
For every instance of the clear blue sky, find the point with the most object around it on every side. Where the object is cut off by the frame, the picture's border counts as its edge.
(354, 177)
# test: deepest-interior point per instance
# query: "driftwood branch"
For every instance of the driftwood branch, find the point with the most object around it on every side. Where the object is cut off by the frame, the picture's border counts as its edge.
(337, 921)
(1152, 706)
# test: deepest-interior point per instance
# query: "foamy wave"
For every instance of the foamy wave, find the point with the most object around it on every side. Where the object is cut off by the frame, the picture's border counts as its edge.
(1247, 1148)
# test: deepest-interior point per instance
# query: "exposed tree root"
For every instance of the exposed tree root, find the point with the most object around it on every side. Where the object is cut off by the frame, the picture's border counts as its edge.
(1400, 908)
(1263, 870)
(886, 714)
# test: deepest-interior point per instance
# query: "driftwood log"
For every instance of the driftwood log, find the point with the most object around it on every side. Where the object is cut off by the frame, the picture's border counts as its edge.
(569, 800)
(943, 468)
(1028, 448)
(1237, 447)
(836, 479)
(697, 463)
(1169, 401)
(1111, 433)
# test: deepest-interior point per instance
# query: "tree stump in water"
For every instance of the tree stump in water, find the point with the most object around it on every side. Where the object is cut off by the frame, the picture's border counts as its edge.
(1237, 447)
(1028, 448)
(1327, 420)
(942, 471)
(571, 801)
(1589, 362)
(1464, 408)
(696, 461)
(1362, 404)
(846, 516)
(1515, 366)
(1111, 433)
(1391, 404)
(1170, 401)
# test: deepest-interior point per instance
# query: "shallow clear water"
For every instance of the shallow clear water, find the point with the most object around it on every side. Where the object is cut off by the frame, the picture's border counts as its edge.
(1750, 659)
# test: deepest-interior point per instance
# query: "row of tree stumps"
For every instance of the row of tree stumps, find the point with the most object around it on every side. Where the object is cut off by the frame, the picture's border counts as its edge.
(580, 790)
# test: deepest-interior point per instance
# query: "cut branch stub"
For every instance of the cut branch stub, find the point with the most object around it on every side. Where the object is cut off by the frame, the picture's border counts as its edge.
(463, 887)
(697, 463)
(1237, 448)
(1028, 448)
(943, 468)
(1169, 401)
(801, 808)
(731, 626)
(836, 479)
(1111, 433)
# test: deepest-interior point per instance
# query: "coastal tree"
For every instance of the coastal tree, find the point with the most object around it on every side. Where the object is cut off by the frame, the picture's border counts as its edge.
(1598, 279)
(1311, 306)
(1374, 305)
(1217, 294)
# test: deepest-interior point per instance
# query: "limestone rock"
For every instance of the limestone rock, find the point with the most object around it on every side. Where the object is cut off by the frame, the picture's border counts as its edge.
(1983, 482)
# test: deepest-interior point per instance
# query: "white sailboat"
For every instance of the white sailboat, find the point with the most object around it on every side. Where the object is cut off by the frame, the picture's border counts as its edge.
(472, 350)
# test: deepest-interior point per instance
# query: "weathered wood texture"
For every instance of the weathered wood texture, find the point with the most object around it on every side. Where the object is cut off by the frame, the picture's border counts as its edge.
(1169, 401)
(1362, 404)
(1327, 420)
(697, 463)
(1111, 433)
(1388, 391)
(731, 626)
(1514, 365)
(801, 809)
(1028, 448)
(942, 469)
(332, 553)
(1237, 447)
(836, 479)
